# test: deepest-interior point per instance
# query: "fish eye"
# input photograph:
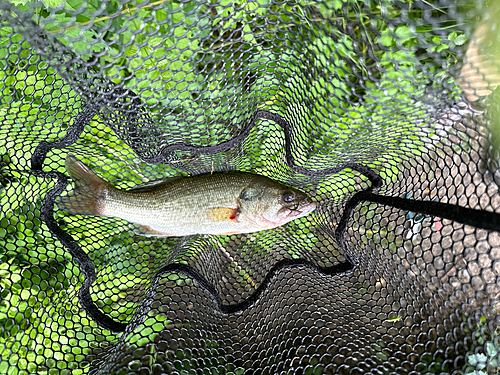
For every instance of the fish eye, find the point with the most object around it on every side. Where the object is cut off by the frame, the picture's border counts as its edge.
(287, 196)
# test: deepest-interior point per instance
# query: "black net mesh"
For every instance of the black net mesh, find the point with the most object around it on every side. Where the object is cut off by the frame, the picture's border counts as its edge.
(384, 112)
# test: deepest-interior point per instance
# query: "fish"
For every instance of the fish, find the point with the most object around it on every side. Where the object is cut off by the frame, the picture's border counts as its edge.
(221, 203)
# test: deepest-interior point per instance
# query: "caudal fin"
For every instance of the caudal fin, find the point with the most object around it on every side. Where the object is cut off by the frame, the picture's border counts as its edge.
(89, 195)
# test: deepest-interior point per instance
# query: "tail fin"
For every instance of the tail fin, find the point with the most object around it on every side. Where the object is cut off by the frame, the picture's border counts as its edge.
(89, 195)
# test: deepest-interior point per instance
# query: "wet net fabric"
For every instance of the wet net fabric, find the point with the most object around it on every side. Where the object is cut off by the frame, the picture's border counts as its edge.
(385, 113)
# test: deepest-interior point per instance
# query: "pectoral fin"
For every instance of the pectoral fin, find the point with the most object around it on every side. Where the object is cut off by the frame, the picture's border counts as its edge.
(223, 214)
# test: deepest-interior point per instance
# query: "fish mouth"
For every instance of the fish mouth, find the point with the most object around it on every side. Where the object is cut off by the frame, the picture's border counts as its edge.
(302, 210)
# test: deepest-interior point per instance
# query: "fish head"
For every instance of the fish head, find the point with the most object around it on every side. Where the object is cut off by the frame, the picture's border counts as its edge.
(269, 204)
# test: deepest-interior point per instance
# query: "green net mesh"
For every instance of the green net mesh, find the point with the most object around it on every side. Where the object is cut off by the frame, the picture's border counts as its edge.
(384, 112)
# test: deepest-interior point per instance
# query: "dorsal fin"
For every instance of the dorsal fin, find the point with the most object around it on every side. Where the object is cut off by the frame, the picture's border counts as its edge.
(153, 185)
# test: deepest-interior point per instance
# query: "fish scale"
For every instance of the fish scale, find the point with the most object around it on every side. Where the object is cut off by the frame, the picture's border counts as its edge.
(181, 204)
(204, 204)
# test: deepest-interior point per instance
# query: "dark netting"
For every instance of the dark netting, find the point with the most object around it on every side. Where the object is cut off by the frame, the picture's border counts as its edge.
(385, 113)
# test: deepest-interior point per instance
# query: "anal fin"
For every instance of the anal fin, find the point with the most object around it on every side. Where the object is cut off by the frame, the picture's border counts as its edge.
(147, 231)
(229, 233)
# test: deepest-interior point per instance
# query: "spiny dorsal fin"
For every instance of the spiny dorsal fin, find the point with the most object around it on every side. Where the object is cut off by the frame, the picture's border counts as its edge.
(153, 185)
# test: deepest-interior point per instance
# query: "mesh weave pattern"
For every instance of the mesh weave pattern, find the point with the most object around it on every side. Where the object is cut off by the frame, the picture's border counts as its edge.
(385, 113)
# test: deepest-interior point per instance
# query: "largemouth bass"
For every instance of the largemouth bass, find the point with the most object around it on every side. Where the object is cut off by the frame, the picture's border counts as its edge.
(219, 203)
